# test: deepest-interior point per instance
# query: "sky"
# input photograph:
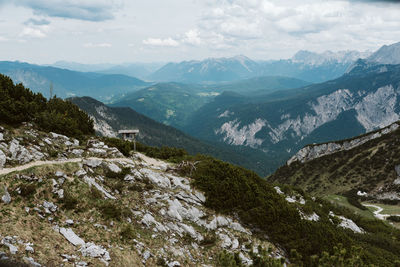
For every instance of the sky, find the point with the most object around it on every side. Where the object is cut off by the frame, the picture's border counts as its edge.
(117, 31)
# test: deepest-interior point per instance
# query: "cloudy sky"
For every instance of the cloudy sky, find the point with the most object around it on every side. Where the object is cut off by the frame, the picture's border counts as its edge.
(115, 31)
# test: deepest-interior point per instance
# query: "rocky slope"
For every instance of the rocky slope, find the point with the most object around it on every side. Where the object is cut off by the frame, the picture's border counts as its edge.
(64, 202)
(368, 164)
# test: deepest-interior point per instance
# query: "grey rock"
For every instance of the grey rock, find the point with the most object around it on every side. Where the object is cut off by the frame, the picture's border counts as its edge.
(6, 198)
(93, 163)
(49, 207)
(69, 234)
(3, 159)
(77, 152)
(94, 251)
(32, 261)
(114, 168)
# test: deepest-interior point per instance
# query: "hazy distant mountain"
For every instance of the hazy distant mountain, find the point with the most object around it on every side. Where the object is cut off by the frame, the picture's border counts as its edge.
(138, 70)
(80, 66)
(387, 54)
(327, 57)
(210, 70)
(70, 83)
(305, 65)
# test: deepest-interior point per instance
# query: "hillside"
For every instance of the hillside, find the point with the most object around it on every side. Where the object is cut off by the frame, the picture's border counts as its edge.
(108, 120)
(93, 206)
(67, 83)
(367, 164)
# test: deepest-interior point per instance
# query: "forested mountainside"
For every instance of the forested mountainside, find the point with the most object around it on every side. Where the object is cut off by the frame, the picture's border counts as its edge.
(174, 103)
(108, 120)
(362, 100)
(67, 83)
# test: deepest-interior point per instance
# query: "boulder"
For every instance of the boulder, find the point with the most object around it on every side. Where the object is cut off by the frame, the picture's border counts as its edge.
(114, 168)
(6, 198)
(93, 163)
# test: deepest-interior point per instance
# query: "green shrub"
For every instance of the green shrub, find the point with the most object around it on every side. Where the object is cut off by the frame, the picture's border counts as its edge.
(19, 104)
(69, 201)
(394, 218)
(27, 190)
(127, 232)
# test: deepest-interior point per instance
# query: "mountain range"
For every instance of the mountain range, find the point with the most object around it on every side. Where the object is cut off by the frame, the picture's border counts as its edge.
(304, 65)
(362, 100)
(68, 83)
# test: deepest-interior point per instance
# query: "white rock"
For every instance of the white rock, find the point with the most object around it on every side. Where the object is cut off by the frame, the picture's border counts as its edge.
(69, 234)
(146, 255)
(361, 194)
(278, 190)
(29, 248)
(245, 260)
(97, 151)
(77, 152)
(114, 168)
(173, 210)
(32, 261)
(49, 207)
(222, 221)
(54, 135)
(59, 174)
(94, 251)
(226, 240)
(91, 182)
(349, 224)
(8, 242)
(80, 173)
(156, 178)
(3, 159)
(1, 137)
(92, 162)
(6, 198)
(174, 264)
(69, 222)
(235, 244)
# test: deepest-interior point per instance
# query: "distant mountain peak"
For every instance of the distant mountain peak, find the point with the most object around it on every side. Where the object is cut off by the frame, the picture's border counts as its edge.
(387, 54)
(314, 58)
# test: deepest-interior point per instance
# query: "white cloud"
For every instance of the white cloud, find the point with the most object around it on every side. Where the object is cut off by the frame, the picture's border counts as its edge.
(192, 37)
(33, 32)
(92, 45)
(3, 39)
(161, 42)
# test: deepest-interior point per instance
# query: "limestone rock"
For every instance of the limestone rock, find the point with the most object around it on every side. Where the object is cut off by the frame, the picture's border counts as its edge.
(93, 163)
(6, 198)
(69, 234)
(3, 159)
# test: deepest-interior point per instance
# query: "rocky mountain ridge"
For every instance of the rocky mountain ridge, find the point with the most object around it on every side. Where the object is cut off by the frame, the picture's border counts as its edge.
(315, 151)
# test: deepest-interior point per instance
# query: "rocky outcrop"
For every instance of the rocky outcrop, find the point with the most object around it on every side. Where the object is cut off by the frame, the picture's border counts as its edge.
(315, 151)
